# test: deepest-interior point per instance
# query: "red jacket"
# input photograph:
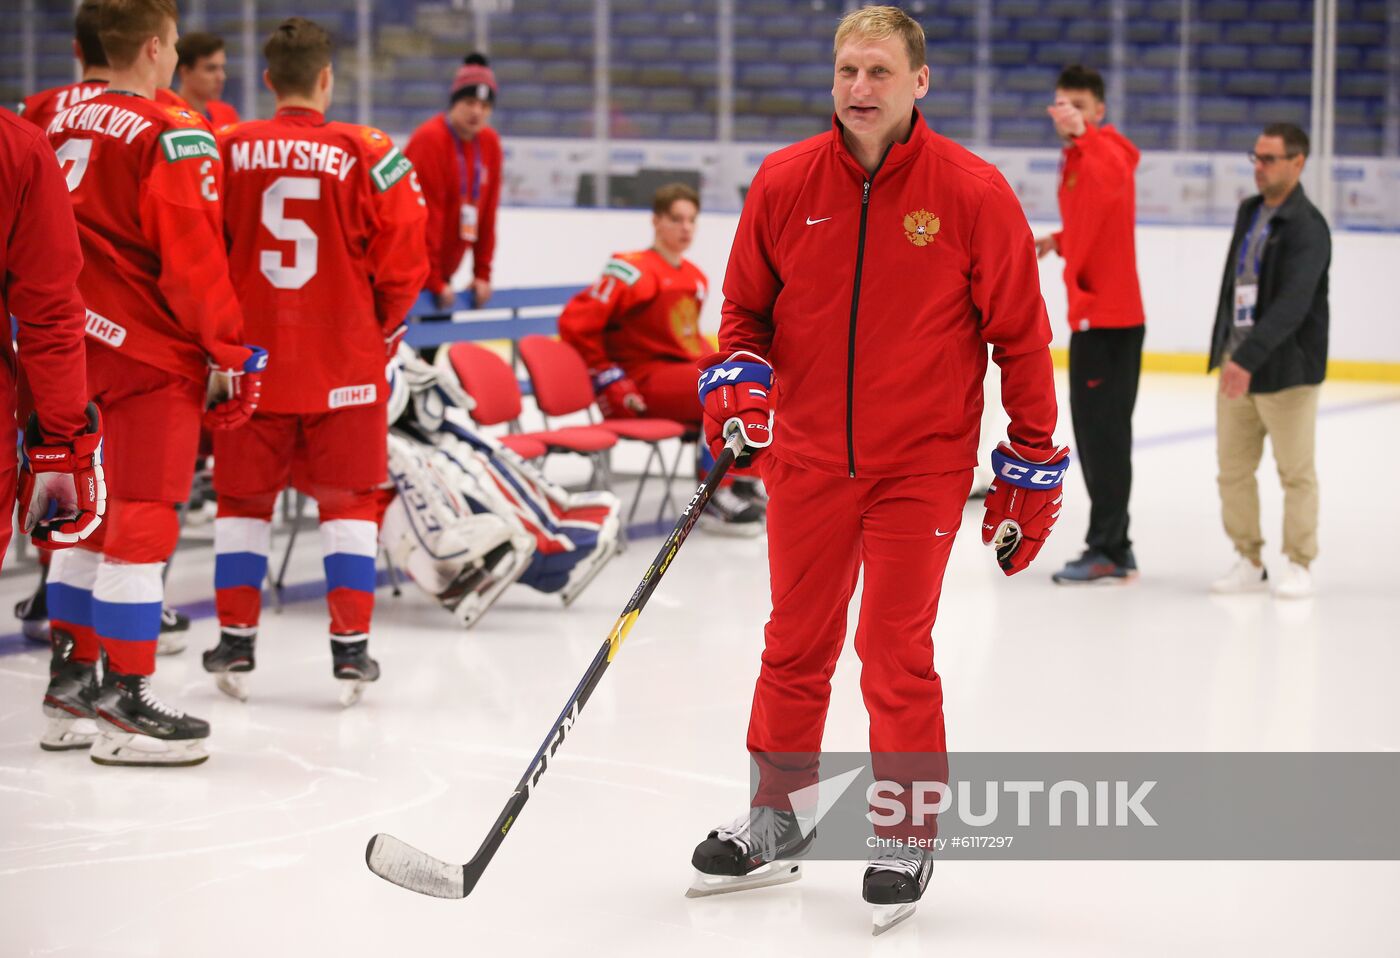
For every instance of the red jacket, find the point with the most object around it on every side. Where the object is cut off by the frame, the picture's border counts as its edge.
(1098, 201)
(454, 172)
(876, 314)
(145, 182)
(325, 247)
(39, 264)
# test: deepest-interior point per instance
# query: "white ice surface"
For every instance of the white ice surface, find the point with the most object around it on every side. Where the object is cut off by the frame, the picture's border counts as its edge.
(261, 850)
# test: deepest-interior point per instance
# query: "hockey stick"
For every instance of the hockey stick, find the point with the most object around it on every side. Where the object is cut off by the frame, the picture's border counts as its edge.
(402, 864)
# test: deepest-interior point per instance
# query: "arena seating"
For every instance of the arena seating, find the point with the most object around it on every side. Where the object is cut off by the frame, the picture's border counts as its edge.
(1250, 60)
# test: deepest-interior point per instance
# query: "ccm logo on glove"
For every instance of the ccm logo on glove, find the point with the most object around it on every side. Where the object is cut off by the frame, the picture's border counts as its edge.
(734, 393)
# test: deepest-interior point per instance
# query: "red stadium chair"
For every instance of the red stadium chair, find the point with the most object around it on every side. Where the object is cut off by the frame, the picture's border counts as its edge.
(491, 382)
(562, 387)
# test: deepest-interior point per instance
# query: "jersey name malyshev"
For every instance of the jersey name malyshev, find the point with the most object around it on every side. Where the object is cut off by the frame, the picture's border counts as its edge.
(301, 155)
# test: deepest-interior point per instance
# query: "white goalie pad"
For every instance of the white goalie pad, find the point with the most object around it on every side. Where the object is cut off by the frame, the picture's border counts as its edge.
(462, 558)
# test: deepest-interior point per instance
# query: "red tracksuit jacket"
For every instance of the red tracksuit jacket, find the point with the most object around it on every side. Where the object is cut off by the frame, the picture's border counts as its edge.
(453, 172)
(1098, 203)
(875, 298)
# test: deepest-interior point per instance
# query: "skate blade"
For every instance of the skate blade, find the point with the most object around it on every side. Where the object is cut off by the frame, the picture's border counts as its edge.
(735, 530)
(472, 607)
(774, 873)
(572, 590)
(171, 643)
(233, 684)
(350, 691)
(127, 748)
(65, 733)
(887, 916)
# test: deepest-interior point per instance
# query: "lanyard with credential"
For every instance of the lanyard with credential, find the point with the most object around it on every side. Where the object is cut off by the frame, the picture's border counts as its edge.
(469, 188)
(1258, 249)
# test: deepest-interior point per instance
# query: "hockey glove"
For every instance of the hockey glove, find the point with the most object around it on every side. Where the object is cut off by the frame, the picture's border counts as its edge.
(392, 338)
(735, 394)
(1023, 503)
(234, 389)
(62, 493)
(616, 395)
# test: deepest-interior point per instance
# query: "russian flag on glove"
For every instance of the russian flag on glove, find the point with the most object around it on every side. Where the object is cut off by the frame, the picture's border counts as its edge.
(735, 394)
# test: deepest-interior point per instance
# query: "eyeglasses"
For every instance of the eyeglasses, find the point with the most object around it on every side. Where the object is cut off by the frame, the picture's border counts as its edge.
(1268, 159)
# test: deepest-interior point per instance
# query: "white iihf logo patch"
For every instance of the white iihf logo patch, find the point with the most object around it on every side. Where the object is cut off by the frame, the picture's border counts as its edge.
(353, 396)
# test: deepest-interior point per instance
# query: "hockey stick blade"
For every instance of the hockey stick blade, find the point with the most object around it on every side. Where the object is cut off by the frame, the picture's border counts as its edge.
(398, 862)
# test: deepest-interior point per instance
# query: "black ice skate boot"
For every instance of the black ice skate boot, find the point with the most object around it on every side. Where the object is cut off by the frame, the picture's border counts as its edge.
(755, 850)
(68, 700)
(173, 626)
(731, 515)
(895, 880)
(751, 490)
(33, 611)
(353, 667)
(231, 660)
(136, 728)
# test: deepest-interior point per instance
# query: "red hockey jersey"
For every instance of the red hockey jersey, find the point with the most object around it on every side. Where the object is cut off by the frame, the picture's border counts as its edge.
(41, 107)
(325, 227)
(640, 310)
(145, 181)
(39, 263)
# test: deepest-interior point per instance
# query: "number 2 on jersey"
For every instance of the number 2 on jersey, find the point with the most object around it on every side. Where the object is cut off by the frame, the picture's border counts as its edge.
(274, 218)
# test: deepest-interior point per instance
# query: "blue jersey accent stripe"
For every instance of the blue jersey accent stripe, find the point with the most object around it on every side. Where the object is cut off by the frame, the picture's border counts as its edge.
(68, 603)
(345, 571)
(234, 569)
(127, 621)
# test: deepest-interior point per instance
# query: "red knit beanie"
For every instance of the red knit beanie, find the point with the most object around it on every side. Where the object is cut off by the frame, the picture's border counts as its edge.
(474, 79)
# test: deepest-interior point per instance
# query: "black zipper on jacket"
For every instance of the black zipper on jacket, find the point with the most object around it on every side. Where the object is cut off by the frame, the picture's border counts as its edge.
(855, 307)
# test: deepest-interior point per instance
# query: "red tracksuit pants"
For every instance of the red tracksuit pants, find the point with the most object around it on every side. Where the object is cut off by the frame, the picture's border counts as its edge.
(822, 530)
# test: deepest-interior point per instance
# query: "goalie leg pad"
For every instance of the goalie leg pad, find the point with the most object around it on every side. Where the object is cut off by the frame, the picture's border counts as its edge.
(461, 557)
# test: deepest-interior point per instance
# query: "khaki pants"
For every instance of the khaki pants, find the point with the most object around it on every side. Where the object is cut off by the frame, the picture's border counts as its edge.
(1289, 419)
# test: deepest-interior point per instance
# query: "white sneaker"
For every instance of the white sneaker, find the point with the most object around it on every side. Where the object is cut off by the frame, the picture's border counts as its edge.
(1244, 576)
(1294, 582)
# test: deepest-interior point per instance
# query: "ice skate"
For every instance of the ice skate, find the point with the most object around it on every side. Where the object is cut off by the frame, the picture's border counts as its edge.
(68, 701)
(173, 626)
(231, 662)
(751, 490)
(354, 669)
(894, 882)
(479, 584)
(33, 611)
(755, 850)
(136, 728)
(728, 514)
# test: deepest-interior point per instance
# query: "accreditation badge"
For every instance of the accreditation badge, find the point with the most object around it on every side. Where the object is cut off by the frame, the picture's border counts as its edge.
(1245, 298)
(468, 223)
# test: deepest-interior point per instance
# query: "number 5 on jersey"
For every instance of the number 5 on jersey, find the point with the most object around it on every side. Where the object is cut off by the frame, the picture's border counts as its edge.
(275, 219)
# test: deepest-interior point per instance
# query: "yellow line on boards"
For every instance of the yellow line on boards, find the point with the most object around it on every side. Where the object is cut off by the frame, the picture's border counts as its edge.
(1195, 364)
